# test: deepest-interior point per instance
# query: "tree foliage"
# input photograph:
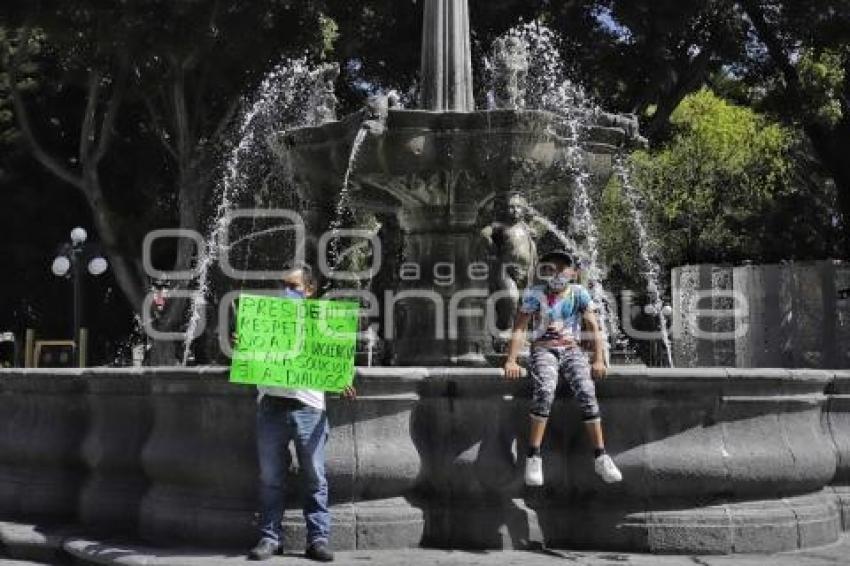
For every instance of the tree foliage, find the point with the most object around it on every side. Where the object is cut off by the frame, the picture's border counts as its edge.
(139, 97)
(27, 80)
(821, 78)
(729, 185)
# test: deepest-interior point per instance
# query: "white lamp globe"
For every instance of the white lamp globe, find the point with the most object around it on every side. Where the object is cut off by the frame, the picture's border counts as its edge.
(78, 235)
(97, 265)
(651, 310)
(60, 266)
(667, 310)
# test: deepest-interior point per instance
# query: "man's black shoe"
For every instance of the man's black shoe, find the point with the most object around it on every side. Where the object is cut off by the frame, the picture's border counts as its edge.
(319, 551)
(264, 550)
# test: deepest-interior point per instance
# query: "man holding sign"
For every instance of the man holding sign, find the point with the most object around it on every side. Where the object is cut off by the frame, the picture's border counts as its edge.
(294, 350)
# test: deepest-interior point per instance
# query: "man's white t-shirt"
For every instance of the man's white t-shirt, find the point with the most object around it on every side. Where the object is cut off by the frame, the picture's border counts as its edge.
(309, 397)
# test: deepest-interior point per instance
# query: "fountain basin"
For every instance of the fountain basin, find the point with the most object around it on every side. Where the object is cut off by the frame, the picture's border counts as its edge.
(498, 150)
(714, 460)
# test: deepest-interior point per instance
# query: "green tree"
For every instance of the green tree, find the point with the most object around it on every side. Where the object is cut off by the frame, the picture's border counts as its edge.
(800, 68)
(729, 185)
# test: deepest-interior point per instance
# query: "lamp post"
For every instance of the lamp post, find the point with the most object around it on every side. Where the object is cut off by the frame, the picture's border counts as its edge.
(67, 264)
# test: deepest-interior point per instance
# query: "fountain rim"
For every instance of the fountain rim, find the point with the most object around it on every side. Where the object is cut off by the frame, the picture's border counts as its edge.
(495, 121)
(411, 374)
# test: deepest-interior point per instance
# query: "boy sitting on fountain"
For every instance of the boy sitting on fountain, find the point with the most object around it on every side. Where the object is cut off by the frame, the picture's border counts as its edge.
(558, 310)
(297, 415)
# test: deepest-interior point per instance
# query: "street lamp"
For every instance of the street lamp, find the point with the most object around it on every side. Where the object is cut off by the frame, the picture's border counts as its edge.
(78, 236)
(67, 264)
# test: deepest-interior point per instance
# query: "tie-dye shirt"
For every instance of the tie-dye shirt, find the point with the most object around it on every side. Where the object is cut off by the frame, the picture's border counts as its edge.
(566, 309)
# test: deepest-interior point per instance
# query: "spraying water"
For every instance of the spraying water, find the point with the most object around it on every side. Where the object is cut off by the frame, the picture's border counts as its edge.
(343, 205)
(647, 248)
(545, 84)
(582, 222)
(280, 99)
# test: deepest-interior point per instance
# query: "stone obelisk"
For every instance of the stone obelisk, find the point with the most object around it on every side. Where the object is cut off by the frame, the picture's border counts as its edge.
(446, 57)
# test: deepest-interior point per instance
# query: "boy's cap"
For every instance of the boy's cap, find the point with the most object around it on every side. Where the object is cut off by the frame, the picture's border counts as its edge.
(554, 255)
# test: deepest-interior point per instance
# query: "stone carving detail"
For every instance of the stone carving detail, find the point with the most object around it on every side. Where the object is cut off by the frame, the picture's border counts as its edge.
(378, 108)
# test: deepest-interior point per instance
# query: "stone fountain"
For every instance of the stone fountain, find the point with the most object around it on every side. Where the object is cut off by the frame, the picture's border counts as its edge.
(429, 173)
(715, 460)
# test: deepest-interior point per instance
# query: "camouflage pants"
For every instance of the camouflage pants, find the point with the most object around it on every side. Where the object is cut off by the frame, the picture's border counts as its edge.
(548, 366)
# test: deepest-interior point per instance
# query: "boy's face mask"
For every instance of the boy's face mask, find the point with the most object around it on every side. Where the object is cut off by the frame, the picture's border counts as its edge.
(558, 283)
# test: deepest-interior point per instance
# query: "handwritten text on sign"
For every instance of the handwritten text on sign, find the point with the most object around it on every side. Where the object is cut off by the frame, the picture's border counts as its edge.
(301, 344)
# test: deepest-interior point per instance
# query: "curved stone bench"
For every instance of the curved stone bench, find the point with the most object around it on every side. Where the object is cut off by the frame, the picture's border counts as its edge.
(714, 460)
(838, 425)
(119, 423)
(43, 420)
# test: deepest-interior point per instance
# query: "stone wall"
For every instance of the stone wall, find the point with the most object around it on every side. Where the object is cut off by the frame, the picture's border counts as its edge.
(797, 315)
(714, 460)
(689, 349)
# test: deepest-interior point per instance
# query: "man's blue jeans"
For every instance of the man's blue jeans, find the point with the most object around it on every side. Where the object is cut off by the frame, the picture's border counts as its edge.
(280, 420)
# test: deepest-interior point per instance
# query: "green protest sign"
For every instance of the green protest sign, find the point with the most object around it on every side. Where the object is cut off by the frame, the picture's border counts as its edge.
(295, 343)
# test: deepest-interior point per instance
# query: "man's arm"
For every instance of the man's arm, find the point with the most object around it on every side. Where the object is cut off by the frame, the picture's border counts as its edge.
(598, 368)
(512, 369)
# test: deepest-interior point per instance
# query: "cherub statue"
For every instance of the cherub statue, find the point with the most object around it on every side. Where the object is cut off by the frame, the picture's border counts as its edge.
(511, 254)
(377, 110)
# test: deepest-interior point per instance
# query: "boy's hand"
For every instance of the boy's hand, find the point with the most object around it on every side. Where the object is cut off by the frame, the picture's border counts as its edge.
(598, 370)
(512, 370)
(555, 327)
(349, 393)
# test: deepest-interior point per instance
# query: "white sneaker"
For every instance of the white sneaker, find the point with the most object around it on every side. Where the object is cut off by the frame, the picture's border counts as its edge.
(534, 471)
(606, 469)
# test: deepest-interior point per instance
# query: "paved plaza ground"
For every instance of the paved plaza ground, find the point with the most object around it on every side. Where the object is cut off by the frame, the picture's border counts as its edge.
(28, 545)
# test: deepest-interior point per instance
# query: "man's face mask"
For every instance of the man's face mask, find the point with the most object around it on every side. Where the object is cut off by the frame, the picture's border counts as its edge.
(291, 292)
